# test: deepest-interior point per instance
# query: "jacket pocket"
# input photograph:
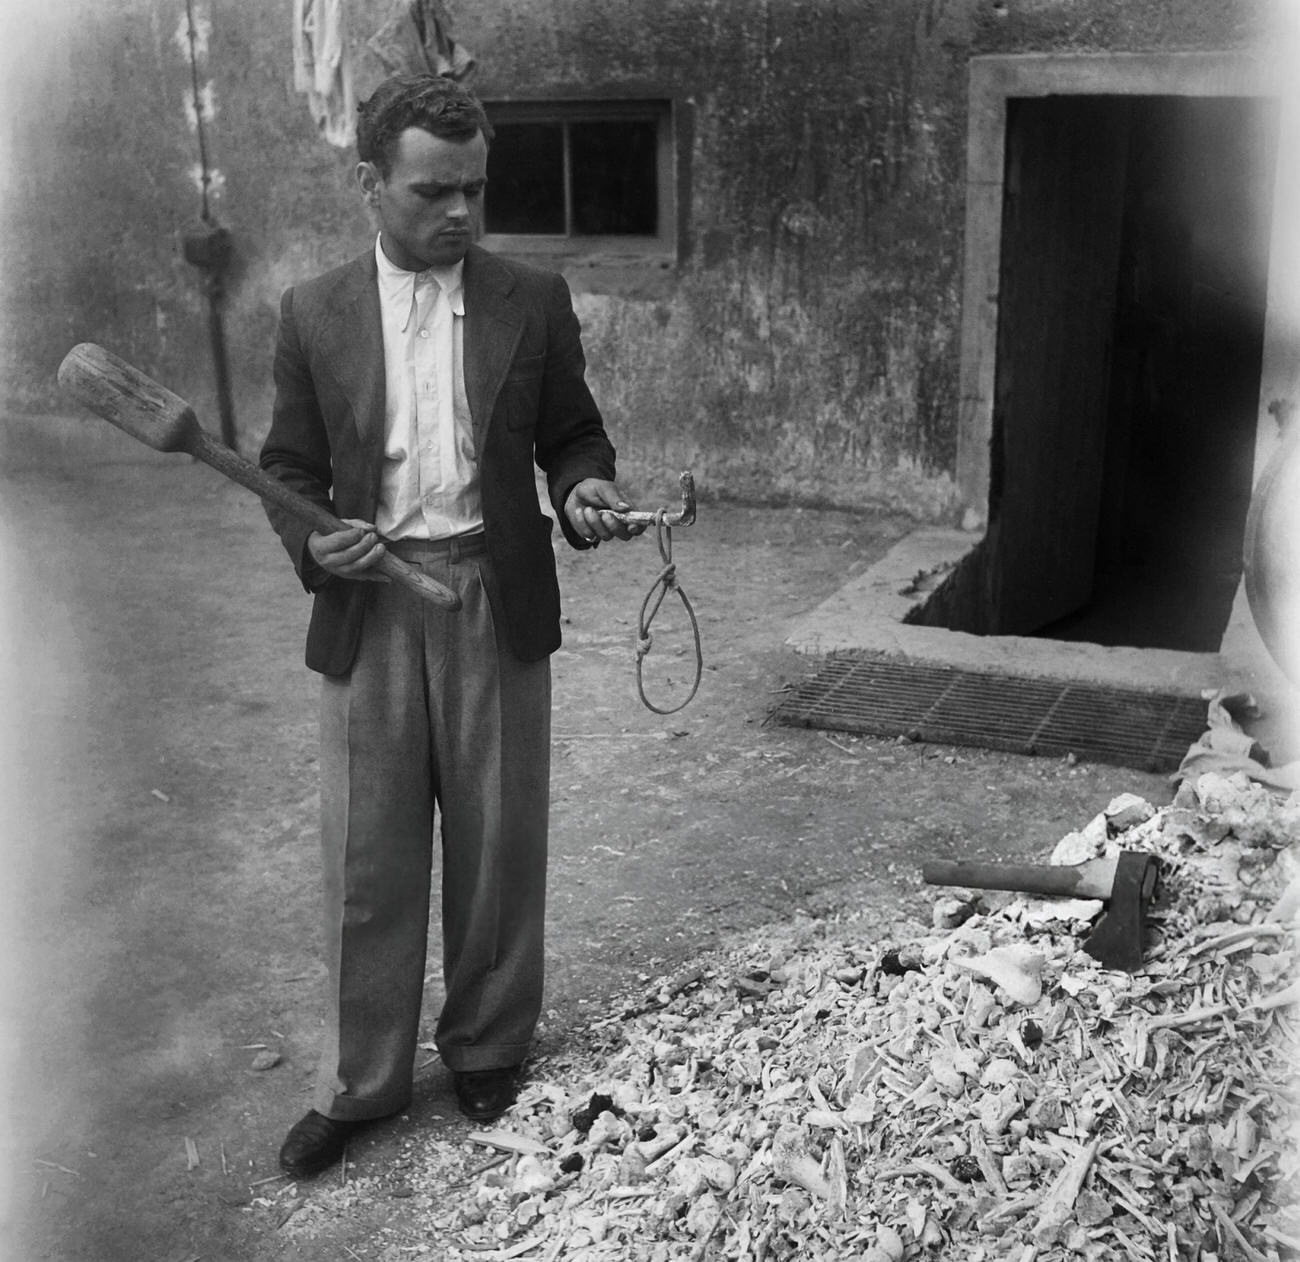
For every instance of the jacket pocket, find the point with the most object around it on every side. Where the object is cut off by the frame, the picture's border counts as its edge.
(526, 368)
(521, 392)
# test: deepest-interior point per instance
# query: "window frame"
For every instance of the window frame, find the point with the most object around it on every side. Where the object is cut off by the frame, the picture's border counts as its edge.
(660, 246)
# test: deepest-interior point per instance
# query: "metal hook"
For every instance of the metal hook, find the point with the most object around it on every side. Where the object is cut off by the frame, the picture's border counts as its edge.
(685, 518)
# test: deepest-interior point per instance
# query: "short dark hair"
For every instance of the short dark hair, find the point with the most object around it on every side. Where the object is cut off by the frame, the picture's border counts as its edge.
(435, 104)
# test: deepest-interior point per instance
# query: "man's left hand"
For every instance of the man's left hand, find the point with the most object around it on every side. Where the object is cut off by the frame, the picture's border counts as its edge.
(590, 508)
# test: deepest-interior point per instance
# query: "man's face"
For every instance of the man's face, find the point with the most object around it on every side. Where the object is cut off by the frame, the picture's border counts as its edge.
(431, 202)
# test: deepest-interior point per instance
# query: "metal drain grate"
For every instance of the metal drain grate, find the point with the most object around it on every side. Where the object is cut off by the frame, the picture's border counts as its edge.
(946, 706)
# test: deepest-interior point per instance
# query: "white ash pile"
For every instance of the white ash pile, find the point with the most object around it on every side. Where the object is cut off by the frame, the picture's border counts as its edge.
(981, 1090)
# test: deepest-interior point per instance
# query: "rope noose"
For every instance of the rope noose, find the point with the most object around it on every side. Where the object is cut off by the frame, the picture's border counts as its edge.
(663, 584)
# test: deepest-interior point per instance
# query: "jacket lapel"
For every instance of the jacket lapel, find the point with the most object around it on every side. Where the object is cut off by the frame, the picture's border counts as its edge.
(493, 327)
(352, 342)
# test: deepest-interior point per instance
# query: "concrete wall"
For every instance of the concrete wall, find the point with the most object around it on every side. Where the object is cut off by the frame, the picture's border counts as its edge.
(805, 348)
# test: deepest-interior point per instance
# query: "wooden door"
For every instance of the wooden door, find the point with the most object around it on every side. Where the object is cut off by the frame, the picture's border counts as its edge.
(1062, 222)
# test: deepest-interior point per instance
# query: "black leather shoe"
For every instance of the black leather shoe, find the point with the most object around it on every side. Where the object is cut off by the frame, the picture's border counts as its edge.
(486, 1093)
(314, 1144)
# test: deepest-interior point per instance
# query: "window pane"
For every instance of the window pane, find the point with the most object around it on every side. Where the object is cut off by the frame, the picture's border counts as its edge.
(613, 167)
(525, 191)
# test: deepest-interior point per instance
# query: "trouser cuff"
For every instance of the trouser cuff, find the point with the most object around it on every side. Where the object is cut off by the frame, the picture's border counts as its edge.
(343, 1108)
(469, 1059)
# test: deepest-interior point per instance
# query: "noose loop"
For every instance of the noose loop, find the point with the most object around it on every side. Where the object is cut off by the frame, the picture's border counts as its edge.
(665, 582)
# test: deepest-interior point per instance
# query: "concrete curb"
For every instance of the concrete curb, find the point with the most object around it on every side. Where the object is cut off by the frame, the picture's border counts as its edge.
(866, 616)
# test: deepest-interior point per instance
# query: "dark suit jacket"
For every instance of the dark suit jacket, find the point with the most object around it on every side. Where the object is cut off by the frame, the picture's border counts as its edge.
(528, 398)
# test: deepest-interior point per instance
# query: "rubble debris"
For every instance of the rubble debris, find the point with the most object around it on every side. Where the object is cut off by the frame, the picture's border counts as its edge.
(897, 961)
(984, 1090)
(1125, 811)
(950, 912)
(1225, 748)
(584, 1118)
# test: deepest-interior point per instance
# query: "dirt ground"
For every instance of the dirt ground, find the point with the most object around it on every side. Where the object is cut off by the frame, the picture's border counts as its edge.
(159, 824)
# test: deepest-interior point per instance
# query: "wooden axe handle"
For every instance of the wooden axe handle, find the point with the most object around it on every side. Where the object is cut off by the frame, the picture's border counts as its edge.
(122, 394)
(1094, 879)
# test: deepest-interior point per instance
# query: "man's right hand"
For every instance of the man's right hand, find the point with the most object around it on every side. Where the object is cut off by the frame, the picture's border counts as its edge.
(351, 553)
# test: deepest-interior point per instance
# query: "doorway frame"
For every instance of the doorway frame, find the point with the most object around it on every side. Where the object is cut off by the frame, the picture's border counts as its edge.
(994, 80)
(870, 614)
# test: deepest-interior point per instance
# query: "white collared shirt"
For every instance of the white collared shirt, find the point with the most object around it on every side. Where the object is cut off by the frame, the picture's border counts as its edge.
(429, 483)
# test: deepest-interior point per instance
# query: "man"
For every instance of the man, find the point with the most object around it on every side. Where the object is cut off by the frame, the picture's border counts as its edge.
(415, 388)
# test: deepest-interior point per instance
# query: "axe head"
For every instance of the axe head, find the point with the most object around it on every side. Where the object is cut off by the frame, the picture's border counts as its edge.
(1119, 939)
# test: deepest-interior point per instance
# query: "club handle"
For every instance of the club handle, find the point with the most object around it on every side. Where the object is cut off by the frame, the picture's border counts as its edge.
(418, 581)
(135, 403)
(247, 474)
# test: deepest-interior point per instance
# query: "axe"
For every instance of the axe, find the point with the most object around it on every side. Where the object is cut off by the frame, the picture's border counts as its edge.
(1126, 882)
(113, 389)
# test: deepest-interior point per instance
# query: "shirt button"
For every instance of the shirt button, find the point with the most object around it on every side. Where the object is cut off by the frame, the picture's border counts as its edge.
(424, 332)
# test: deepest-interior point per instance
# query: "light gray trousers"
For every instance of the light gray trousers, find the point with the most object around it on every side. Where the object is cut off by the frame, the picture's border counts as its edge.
(436, 710)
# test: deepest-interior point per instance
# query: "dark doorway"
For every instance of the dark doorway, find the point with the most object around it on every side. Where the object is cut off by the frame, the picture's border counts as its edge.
(1130, 338)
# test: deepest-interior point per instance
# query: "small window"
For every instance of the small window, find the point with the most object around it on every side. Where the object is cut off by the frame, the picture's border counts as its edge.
(578, 178)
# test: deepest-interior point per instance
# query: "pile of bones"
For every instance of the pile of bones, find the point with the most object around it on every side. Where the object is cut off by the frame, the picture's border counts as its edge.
(981, 1090)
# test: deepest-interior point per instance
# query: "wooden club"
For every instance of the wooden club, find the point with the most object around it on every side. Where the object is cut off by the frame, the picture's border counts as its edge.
(134, 402)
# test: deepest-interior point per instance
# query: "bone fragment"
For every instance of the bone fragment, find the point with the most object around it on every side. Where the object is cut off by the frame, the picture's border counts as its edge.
(1016, 968)
(1056, 1209)
(1280, 998)
(506, 1141)
(792, 1164)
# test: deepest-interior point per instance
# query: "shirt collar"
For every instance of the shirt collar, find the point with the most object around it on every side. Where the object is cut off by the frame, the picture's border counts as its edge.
(397, 286)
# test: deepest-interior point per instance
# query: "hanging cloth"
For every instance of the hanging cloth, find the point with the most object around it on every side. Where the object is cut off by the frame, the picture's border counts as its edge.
(417, 39)
(321, 68)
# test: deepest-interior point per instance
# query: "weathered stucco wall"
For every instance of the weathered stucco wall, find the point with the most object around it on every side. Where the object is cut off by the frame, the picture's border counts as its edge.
(806, 347)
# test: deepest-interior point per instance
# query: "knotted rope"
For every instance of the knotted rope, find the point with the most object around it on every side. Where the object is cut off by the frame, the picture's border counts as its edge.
(663, 584)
